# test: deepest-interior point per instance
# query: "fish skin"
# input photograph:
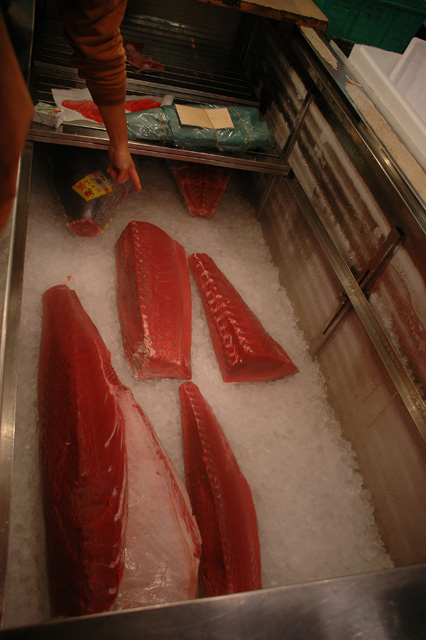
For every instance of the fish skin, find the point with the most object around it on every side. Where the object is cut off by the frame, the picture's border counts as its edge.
(221, 500)
(86, 219)
(154, 302)
(244, 350)
(83, 459)
(201, 185)
(163, 544)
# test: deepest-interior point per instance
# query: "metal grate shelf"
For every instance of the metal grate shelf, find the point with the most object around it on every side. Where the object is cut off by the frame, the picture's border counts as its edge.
(201, 58)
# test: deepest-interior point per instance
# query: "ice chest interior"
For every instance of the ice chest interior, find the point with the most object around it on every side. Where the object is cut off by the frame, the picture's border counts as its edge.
(344, 223)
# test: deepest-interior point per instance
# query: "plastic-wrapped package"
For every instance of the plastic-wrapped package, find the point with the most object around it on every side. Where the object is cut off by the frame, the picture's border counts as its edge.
(150, 125)
(248, 131)
(89, 197)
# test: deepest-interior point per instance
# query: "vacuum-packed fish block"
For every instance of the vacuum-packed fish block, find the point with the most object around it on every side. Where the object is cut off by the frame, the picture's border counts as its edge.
(201, 185)
(83, 459)
(221, 500)
(154, 302)
(244, 350)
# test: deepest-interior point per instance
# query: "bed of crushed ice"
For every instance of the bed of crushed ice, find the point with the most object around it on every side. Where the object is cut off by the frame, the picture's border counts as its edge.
(315, 517)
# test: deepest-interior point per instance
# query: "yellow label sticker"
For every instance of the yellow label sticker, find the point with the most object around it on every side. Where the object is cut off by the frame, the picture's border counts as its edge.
(93, 186)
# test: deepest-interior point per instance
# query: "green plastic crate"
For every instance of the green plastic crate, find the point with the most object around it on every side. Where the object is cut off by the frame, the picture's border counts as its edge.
(386, 24)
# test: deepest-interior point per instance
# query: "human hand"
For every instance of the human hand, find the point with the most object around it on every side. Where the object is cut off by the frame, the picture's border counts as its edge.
(122, 167)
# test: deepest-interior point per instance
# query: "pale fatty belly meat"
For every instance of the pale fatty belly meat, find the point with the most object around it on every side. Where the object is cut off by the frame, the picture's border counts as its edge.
(163, 544)
(154, 302)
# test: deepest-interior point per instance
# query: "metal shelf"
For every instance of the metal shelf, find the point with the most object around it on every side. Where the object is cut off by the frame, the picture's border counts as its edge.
(199, 67)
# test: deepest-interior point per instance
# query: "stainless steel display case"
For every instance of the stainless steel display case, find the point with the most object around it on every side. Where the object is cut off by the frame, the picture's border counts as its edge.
(333, 195)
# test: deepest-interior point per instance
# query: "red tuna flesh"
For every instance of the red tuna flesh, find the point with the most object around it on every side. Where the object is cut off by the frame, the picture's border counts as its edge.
(136, 59)
(154, 302)
(221, 500)
(201, 185)
(244, 350)
(89, 110)
(163, 544)
(141, 105)
(85, 108)
(83, 459)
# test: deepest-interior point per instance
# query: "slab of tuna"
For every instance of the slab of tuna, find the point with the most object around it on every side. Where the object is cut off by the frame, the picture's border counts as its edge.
(163, 544)
(83, 459)
(154, 302)
(86, 418)
(221, 500)
(244, 350)
(201, 185)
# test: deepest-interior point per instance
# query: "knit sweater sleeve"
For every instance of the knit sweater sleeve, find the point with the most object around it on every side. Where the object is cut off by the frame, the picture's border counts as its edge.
(93, 29)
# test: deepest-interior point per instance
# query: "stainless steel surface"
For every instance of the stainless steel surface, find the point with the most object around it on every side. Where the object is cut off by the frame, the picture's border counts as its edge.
(384, 605)
(331, 84)
(8, 352)
(97, 139)
(358, 203)
(365, 281)
(19, 17)
(387, 605)
(408, 391)
(298, 124)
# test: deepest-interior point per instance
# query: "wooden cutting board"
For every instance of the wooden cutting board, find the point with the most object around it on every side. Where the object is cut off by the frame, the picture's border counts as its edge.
(303, 12)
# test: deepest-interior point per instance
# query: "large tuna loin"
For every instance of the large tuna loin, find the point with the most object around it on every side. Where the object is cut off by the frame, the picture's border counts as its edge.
(154, 302)
(90, 198)
(221, 500)
(87, 421)
(201, 185)
(83, 459)
(244, 350)
(163, 545)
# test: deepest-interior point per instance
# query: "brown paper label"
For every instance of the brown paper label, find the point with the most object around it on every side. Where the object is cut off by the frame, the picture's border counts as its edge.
(205, 118)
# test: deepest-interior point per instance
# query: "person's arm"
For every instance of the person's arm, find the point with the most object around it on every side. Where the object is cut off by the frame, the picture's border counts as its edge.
(93, 28)
(122, 166)
(16, 112)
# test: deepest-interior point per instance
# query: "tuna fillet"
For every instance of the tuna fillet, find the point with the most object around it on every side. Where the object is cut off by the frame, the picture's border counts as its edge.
(86, 417)
(221, 500)
(83, 459)
(154, 302)
(244, 350)
(201, 185)
(163, 544)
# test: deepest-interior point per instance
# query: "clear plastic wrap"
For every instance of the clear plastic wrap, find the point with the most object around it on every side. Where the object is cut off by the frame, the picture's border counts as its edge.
(163, 124)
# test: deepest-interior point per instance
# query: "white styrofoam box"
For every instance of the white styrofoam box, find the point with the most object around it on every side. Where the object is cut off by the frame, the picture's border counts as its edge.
(409, 76)
(373, 67)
